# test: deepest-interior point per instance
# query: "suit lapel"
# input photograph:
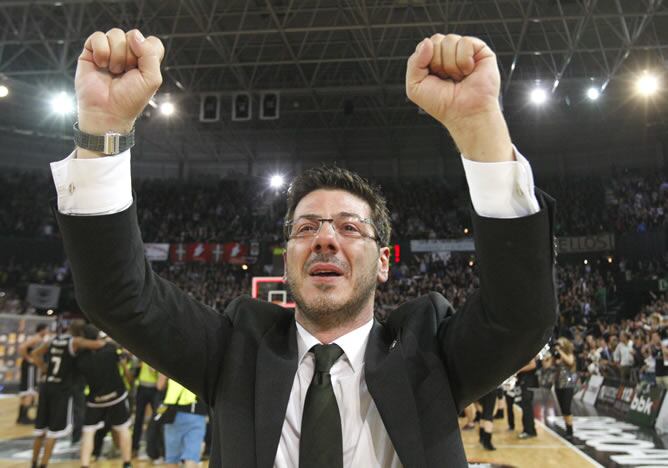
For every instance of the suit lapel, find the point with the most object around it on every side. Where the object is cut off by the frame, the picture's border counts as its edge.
(391, 390)
(275, 374)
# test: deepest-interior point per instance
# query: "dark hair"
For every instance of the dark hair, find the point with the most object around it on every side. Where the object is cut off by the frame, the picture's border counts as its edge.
(40, 327)
(336, 178)
(90, 332)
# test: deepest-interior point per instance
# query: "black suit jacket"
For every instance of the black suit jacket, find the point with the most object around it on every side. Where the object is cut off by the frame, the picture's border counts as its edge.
(422, 365)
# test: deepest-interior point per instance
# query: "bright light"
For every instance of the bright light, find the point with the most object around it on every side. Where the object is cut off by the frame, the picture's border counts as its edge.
(276, 181)
(538, 96)
(466, 230)
(609, 259)
(471, 263)
(648, 84)
(49, 312)
(62, 103)
(244, 267)
(586, 262)
(593, 93)
(4, 91)
(167, 108)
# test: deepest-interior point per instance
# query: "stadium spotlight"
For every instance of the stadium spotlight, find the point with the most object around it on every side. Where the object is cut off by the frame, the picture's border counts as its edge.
(61, 103)
(647, 84)
(593, 93)
(4, 91)
(276, 181)
(167, 108)
(538, 96)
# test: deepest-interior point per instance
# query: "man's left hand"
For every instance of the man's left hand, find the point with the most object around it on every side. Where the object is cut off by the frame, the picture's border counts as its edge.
(456, 80)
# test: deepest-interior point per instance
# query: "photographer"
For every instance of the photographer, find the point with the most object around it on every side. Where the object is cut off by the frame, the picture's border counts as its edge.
(566, 378)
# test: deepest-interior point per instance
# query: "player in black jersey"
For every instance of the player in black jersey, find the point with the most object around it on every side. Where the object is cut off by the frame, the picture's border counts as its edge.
(107, 400)
(28, 388)
(54, 410)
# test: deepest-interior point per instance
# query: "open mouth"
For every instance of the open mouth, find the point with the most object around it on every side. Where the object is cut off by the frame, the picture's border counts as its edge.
(325, 270)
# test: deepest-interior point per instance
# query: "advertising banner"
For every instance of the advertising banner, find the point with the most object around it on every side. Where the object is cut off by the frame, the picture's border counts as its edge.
(156, 252)
(593, 387)
(645, 405)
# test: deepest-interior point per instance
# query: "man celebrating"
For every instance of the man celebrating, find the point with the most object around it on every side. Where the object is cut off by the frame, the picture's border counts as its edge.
(327, 385)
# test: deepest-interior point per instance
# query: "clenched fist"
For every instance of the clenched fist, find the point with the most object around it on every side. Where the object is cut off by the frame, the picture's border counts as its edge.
(117, 74)
(456, 80)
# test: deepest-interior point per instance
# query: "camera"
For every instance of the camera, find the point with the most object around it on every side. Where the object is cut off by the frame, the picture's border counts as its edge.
(554, 350)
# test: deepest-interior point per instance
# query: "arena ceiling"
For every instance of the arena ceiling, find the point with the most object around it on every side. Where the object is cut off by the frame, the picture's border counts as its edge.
(338, 64)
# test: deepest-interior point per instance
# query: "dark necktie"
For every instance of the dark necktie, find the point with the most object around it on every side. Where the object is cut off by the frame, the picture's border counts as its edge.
(321, 442)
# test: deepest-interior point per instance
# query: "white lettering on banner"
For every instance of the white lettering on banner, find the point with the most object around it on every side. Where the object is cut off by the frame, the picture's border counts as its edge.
(627, 394)
(642, 405)
(606, 434)
(199, 250)
(217, 253)
(180, 252)
(442, 245)
(598, 243)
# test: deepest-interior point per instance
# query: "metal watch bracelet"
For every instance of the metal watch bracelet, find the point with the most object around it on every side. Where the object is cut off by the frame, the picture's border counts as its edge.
(109, 144)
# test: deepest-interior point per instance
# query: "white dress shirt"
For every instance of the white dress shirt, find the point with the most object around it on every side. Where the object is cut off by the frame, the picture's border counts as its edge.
(498, 190)
(365, 440)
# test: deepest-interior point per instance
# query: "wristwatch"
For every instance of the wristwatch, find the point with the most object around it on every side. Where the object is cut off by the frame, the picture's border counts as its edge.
(109, 144)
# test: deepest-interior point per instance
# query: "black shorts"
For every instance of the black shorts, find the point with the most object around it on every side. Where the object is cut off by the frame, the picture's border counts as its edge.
(28, 380)
(116, 415)
(54, 411)
(488, 401)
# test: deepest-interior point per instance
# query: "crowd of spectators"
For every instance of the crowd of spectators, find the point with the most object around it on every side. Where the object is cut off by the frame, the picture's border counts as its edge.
(171, 211)
(629, 350)
(245, 209)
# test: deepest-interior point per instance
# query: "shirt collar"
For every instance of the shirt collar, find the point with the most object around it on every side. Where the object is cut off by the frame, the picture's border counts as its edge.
(352, 343)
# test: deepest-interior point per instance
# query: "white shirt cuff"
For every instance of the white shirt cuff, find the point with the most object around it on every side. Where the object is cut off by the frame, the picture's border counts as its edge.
(97, 186)
(501, 189)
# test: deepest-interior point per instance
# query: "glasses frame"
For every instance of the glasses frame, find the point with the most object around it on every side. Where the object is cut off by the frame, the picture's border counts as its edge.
(321, 221)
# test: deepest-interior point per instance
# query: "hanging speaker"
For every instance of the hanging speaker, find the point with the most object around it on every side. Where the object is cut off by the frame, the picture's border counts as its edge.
(209, 108)
(269, 105)
(241, 107)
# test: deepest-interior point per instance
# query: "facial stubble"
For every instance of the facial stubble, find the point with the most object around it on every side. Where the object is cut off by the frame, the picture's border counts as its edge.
(325, 313)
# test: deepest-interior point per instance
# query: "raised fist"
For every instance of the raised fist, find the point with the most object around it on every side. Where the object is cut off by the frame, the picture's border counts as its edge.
(117, 74)
(456, 80)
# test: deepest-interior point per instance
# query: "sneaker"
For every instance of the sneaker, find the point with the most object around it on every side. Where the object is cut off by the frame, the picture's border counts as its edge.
(468, 427)
(525, 435)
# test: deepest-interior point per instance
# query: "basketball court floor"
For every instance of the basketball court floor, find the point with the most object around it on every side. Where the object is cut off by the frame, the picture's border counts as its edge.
(546, 450)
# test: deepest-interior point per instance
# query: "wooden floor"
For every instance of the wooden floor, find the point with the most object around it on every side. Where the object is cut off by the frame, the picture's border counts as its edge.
(546, 450)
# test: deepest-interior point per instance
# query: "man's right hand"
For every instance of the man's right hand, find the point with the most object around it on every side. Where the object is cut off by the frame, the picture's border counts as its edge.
(117, 74)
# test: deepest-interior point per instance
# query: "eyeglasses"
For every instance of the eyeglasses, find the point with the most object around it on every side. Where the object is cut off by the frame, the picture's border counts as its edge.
(346, 225)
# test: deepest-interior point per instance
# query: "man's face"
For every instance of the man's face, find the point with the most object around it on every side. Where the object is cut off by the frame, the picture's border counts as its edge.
(333, 277)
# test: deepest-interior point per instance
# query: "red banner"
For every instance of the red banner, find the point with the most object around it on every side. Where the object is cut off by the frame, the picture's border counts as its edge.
(203, 252)
(235, 252)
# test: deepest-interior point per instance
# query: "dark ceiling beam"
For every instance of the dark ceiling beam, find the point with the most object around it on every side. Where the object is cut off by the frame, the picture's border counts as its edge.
(345, 28)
